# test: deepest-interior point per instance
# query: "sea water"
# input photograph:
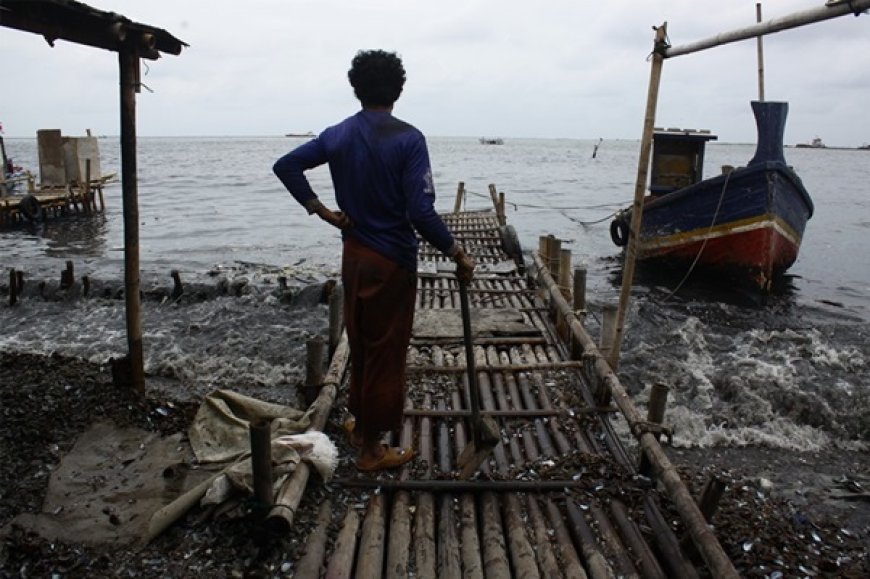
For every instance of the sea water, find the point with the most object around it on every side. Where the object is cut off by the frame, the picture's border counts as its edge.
(791, 373)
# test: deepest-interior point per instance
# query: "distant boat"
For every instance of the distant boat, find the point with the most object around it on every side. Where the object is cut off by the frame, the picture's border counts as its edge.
(815, 144)
(746, 224)
(490, 141)
(864, 147)
(308, 135)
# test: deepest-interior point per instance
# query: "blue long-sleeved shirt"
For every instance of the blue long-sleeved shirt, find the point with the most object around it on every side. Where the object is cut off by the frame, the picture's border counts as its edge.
(383, 182)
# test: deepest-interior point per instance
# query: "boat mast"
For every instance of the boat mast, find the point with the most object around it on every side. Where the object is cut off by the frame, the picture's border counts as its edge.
(760, 55)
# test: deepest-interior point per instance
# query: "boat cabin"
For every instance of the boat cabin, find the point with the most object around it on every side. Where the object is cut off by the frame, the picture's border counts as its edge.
(677, 158)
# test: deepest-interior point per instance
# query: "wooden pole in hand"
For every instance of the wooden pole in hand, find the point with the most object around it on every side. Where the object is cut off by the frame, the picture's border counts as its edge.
(639, 189)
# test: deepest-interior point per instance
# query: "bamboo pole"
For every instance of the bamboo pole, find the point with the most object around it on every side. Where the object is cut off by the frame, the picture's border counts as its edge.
(398, 549)
(631, 536)
(425, 550)
(86, 190)
(470, 544)
(341, 563)
(315, 350)
(567, 553)
(370, 559)
(639, 190)
(619, 555)
(315, 548)
(667, 543)
(129, 65)
(700, 532)
(495, 559)
(831, 9)
(658, 400)
(493, 195)
(287, 500)
(449, 564)
(596, 564)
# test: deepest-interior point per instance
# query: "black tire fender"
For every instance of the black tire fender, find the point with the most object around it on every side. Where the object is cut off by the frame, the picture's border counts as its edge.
(30, 208)
(619, 231)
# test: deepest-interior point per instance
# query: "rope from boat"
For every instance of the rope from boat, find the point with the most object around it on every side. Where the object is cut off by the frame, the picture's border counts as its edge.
(517, 206)
(704, 243)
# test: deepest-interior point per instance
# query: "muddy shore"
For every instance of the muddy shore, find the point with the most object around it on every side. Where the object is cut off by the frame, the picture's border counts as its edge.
(798, 514)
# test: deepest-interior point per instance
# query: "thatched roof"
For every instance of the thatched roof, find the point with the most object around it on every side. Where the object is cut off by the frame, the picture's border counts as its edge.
(79, 23)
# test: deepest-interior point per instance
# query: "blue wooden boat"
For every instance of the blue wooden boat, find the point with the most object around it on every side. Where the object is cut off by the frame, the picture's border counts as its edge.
(746, 223)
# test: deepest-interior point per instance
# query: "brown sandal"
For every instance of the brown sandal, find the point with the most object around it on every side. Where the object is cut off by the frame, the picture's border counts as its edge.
(392, 458)
(353, 438)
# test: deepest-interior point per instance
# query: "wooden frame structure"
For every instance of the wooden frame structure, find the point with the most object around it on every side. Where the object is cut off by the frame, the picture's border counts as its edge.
(79, 23)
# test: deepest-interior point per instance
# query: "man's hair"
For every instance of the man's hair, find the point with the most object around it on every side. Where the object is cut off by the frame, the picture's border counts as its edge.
(377, 77)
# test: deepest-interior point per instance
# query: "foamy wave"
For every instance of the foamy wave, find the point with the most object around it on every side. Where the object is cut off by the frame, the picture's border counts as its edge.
(792, 388)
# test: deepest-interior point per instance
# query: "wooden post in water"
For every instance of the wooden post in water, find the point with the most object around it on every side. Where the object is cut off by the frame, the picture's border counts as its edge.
(493, 195)
(580, 290)
(13, 287)
(659, 46)
(502, 218)
(606, 341)
(129, 65)
(655, 414)
(460, 197)
(86, 191)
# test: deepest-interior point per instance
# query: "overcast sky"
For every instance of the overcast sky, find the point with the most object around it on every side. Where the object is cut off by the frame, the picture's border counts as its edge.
(507, 68)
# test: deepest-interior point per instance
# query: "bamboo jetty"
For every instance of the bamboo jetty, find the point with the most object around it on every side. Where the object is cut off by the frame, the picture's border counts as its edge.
(562, 495)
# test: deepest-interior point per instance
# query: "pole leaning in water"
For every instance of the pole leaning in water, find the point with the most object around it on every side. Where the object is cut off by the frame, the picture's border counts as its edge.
(660, 45)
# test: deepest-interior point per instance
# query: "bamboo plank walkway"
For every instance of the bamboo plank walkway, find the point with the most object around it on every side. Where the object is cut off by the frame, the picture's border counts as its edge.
(560, 495)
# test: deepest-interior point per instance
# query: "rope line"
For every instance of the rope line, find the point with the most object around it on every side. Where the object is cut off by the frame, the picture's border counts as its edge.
(704, 243)
(517, 206)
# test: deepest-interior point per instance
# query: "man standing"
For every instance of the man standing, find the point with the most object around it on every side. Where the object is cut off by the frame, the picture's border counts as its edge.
(383, 187)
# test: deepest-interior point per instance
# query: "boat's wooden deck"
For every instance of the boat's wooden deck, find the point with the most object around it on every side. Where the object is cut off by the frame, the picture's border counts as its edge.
(560, 495)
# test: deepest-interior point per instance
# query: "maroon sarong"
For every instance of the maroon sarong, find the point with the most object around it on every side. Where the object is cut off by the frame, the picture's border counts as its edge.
(379, 299)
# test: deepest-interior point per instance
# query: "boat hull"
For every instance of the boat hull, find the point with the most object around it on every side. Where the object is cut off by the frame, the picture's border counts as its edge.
(746, 224)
